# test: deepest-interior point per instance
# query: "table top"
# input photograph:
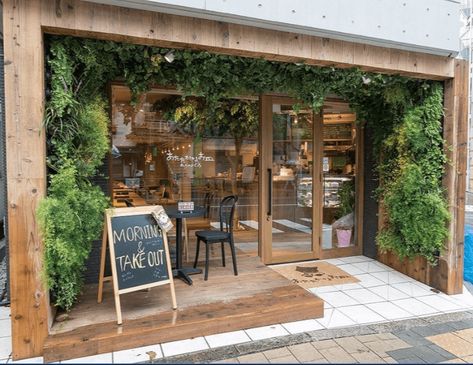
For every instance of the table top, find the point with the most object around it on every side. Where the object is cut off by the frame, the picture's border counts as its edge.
(172, 212)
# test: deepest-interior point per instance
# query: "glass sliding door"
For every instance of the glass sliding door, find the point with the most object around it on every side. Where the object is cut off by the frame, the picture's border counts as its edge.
(290, 196)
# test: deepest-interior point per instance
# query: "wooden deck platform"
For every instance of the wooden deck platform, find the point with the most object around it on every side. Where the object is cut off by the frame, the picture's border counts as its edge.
(258, 296)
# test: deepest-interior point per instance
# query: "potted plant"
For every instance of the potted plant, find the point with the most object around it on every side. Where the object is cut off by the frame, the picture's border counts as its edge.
(344, 224)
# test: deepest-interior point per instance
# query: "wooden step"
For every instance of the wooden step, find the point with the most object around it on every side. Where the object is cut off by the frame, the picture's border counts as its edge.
(282, 304)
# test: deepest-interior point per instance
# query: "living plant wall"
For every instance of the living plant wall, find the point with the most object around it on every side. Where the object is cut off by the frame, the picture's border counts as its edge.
(404, 114)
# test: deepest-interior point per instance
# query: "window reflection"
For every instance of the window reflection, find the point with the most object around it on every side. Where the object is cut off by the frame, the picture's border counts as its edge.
(157, 160)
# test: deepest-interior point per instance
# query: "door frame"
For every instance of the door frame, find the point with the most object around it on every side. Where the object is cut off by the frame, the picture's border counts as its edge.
(265, 179)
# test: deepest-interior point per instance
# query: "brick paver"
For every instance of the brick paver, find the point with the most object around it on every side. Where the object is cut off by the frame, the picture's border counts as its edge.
(305, 352)
(409, 342)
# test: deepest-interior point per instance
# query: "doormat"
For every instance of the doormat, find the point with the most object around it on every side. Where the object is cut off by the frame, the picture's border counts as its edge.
(315, 274)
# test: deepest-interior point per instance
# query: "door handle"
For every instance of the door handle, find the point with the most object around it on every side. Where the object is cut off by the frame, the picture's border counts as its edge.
(270, 192)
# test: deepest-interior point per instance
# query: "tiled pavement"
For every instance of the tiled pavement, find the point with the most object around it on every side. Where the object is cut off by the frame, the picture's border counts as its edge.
(445, 338)
(382, 297)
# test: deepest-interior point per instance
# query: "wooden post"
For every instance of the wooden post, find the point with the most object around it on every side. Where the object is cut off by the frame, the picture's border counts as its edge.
(26, 173)
(448, 276)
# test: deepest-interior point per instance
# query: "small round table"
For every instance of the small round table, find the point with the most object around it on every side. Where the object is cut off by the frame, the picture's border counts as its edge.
(172, 211)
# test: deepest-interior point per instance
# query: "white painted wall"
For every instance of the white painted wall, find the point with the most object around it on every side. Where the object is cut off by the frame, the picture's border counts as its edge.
(430, 26)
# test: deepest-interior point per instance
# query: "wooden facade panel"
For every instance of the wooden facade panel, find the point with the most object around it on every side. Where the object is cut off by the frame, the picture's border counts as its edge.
(455, 134)
(24, 71)
(122, 24)
(26, 173)
(29, 300)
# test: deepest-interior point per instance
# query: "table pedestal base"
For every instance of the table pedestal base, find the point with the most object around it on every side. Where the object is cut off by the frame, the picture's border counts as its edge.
(184, 272)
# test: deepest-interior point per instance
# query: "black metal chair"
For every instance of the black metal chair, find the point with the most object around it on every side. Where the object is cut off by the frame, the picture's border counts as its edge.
(225, 234)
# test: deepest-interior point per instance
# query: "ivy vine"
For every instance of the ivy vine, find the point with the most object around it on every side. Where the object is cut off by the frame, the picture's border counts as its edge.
(404, 115)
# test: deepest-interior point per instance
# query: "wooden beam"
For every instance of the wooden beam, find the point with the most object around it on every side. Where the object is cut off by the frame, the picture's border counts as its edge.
(80, 18)
(26, 173)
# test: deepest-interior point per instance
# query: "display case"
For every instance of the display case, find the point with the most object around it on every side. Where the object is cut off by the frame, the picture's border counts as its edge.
(331, 187)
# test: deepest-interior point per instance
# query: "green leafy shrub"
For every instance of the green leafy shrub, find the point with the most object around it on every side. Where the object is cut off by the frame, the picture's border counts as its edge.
(416, 209)
(70, 219)
(404, 115)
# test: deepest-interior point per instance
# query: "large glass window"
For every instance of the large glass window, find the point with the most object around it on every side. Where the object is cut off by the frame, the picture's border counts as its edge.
(157, 160)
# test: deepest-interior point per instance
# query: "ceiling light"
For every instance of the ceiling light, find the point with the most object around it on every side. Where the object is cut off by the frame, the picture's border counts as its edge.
(169, 56)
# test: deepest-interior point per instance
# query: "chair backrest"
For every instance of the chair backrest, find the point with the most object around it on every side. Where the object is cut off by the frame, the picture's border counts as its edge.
(227, 211)
(207, 202)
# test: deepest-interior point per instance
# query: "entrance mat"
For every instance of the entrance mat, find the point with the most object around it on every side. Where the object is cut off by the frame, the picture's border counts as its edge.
(315, 274)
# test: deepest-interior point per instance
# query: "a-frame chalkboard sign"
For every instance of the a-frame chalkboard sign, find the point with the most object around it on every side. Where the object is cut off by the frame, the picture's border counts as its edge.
(139, 253)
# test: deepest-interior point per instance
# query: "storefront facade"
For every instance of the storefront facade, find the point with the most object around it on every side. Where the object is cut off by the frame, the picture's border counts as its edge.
(288, 168)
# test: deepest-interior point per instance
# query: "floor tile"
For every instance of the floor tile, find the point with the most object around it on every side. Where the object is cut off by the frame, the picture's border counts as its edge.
(389, 310)
(464, 300)
(393, 277)
(140, 354)
(361, 314)
(415, 306)
(353, 259)
(278, 352)
(257, 358)
(334, 318)
(343, 287)
(324, 344)
(334, 261)
(228, 338)
(387, 292)
(31, 360)
(350, 269)
(351, 344)
(5, 328)
(95, 359)
(302, 326)
(4, 312)
(371, 267)
(439, 303)
(453, 344)
(284, 360)
(363, 296)
(368, 280)
(5, 347)
(453, 361)
(466, 334)
(413, 289)
(337, 299)
(324, 289)
(305, 352)
(184, 346)
(337, 355)
(260, 333)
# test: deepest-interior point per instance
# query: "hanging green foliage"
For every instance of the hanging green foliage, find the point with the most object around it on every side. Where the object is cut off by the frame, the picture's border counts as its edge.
(404, 115)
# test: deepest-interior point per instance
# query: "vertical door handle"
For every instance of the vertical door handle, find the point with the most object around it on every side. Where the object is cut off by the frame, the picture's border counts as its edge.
(270, 192)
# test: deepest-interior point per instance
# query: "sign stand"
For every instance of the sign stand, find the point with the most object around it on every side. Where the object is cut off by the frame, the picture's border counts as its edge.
(109, 238)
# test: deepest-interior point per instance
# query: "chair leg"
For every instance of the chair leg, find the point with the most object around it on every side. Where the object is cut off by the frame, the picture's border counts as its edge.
(197, 253)
(206, 261)
(232, 246)
(223, 253)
